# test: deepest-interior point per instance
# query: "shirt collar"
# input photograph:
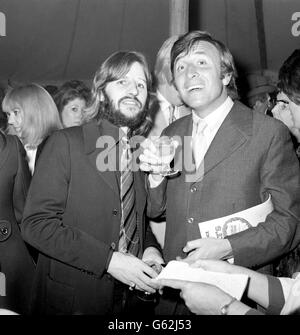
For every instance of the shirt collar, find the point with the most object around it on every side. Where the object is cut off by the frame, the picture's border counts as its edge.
(215, 118)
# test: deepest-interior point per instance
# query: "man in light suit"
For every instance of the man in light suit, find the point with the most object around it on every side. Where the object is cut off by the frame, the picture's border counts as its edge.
(75, 211)
(168, 108)
(247, 157)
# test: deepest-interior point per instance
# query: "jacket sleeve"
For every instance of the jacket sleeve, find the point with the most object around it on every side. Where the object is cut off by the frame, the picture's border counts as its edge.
(156, 200)
(43, 224)
(280, 232)
(22, 180)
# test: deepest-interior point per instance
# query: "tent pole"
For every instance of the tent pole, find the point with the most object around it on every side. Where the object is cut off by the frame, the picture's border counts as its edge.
(261, 34)
(179, 17)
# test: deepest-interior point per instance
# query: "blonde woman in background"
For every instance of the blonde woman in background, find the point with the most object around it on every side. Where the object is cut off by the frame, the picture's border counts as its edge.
(32, 116)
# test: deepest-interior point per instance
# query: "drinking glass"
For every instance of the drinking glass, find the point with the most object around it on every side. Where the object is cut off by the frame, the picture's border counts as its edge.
(166, 147)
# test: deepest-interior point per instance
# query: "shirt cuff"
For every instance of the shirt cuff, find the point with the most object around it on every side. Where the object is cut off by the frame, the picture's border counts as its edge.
(154, 183)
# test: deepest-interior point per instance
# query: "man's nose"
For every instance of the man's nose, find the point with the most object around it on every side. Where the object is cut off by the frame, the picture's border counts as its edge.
(133, 89)
(192, 71)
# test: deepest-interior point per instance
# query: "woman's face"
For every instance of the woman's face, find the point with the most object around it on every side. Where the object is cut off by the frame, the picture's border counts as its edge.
(72, 112)
(15, 120)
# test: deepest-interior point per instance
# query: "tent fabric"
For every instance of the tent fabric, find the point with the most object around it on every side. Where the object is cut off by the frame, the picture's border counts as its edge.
(56, 40)
(51, 41)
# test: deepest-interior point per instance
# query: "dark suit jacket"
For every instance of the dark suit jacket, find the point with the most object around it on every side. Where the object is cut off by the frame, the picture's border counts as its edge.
(250, 157)
(72, 217)
(15, 261)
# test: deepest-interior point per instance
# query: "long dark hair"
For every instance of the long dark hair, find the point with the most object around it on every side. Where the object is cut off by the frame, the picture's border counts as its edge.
(113, 68)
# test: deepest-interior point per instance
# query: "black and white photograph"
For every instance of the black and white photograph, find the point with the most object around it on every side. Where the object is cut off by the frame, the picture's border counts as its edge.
(149, 161)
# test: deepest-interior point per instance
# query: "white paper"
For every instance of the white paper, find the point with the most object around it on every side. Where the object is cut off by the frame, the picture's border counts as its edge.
(237, 222)
(233, 284)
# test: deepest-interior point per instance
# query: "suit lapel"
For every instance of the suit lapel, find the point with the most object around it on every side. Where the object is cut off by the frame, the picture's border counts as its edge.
(95, 138)
(233, 133)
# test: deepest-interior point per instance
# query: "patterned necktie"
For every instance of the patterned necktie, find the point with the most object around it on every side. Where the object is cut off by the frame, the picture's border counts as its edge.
(129, 238)
(199, 143)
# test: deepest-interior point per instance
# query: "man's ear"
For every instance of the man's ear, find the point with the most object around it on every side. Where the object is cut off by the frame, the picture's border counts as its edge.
(226, 79)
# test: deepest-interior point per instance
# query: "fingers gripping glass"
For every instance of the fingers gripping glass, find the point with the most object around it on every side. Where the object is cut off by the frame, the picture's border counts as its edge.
(166, 148)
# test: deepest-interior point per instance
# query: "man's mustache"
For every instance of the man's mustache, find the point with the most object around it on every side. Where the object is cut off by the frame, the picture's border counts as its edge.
(131, 98)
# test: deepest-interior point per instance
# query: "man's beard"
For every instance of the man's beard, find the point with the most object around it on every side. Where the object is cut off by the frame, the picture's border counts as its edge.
(116, 117)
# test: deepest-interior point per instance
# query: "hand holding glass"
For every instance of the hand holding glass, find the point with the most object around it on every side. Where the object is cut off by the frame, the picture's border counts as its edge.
(165, 149)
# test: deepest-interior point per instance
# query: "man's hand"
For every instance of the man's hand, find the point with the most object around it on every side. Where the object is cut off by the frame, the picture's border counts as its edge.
(153, 258)
(217, 266)
(132, 271)
(152, 161)
(200, 298)
(207, 248)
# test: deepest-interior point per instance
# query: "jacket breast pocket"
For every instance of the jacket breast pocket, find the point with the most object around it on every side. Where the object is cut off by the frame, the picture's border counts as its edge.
(59, 297)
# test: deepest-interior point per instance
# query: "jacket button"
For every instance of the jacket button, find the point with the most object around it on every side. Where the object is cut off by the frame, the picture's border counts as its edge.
(115, 212)
(190, 220)
(193, 189)
(5, 230)
(113, 245)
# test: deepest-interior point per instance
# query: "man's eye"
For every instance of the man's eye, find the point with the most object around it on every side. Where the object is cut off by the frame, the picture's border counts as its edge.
(122, 82)
(15, 111)
(74, 109)
(180, 67)
(141, 85)
(201, 62)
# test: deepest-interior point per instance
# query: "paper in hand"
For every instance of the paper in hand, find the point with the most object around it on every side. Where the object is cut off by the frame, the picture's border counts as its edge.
(233, 284)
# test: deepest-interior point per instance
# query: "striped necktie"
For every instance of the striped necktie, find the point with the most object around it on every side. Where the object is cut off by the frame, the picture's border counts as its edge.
(129, 238)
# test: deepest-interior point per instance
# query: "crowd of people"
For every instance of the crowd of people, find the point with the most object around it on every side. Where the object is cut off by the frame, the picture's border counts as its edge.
(90, 213)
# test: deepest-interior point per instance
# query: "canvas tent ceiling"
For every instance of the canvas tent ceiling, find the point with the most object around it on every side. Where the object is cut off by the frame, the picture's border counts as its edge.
(56, 40)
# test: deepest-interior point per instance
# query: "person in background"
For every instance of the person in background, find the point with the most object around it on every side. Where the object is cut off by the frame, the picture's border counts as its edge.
(71, 99)
(16, 265)
(86, 218)
(3, 118)
(32, 116)
(170, 107)
(275, 295)
(258, 97)
(239, 156)
(287, 108)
